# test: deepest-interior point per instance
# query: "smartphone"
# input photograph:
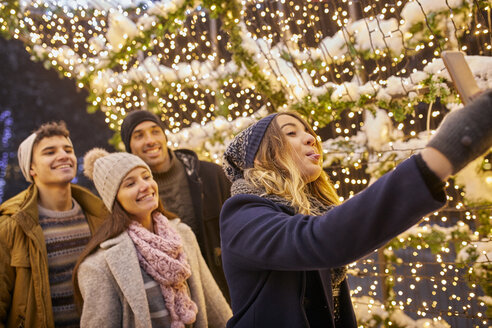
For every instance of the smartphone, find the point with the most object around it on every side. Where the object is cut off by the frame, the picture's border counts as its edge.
(461, 75)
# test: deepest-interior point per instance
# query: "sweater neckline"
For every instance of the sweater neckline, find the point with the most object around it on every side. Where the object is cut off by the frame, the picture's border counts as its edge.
(60, 214)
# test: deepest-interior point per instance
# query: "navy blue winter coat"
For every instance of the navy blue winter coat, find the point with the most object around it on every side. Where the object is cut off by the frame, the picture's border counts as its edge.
(269, 252)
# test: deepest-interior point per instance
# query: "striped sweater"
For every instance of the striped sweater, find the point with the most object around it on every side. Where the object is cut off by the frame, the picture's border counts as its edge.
(66, 234)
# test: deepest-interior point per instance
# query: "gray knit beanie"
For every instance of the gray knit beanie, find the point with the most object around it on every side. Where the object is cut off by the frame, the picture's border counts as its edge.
(108, 170)
(241, 152)
(24, 156)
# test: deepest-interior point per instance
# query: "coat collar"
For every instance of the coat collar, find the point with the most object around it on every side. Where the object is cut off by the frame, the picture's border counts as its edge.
(189, 159)
(122, 260)
(23, 208)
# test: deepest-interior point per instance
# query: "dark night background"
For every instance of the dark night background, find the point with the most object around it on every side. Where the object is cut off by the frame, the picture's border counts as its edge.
(31, 95)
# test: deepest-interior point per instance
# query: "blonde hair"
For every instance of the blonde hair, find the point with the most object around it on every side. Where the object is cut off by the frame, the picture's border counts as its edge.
(275, 170)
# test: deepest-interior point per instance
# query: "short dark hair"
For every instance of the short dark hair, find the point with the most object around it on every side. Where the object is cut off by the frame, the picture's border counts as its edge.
(51, 129)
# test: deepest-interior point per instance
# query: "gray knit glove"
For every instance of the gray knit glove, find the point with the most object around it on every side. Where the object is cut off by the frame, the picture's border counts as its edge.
(465, 133)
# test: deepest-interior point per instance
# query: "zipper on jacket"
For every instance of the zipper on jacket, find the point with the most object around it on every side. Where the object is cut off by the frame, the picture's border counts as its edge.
(301, 300)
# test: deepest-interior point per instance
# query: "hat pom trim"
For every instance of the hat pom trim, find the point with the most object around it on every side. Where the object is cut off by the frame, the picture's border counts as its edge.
(90, 159)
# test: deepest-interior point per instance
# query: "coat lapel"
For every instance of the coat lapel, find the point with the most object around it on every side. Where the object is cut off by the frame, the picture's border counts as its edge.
(122, 260)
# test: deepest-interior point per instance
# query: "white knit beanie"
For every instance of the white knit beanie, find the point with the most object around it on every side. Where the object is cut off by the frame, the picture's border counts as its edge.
(108, 170)
(24, 156)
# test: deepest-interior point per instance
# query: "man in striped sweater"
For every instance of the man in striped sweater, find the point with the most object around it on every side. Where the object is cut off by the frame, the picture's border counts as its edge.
(42, 231)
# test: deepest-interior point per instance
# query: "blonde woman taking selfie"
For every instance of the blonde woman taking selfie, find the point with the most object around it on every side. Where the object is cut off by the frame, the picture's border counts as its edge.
(286, 239)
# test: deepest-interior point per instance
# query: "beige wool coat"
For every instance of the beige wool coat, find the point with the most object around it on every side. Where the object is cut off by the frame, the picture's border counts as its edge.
(113, 290)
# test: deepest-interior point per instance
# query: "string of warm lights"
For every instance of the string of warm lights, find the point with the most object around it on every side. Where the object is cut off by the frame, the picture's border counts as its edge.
(137, 94)
(358, 70)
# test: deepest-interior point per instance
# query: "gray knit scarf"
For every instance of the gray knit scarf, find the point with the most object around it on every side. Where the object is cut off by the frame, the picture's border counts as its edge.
(241, 186)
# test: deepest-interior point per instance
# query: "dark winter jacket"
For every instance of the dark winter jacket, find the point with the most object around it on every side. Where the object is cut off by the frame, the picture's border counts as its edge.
(209, 189)
(277, 262)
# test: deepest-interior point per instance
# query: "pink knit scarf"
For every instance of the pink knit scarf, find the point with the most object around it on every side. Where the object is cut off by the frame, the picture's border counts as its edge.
(161, 255)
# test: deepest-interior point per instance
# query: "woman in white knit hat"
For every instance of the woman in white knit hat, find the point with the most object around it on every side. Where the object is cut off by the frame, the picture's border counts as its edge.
(143, 268)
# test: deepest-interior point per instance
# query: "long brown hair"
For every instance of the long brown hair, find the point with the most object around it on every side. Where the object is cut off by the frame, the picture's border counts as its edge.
(275, 170)
(112, 227)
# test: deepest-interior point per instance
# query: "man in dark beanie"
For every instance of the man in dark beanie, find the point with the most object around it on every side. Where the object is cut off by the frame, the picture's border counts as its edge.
(193, 189)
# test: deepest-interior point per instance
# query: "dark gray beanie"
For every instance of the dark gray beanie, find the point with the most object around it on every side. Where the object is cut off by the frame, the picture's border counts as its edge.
(132, 120)
(241, 152)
